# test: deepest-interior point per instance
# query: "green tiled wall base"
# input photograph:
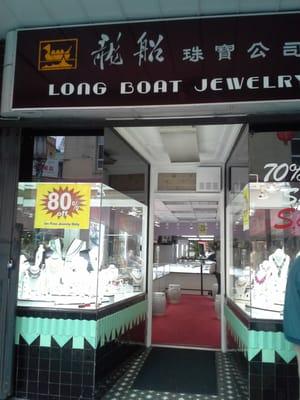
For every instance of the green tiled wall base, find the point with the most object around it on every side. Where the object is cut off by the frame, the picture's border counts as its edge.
(95, 332)
(252, 342)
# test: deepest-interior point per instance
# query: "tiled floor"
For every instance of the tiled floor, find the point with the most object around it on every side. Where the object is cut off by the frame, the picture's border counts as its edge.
(231, 385)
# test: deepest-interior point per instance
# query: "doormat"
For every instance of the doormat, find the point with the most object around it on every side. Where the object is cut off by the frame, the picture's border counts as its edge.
(178, 371)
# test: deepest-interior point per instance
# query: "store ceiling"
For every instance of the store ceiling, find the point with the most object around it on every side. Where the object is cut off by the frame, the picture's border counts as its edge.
(183, 149)
(186, 211)
(166, 147)
(32, 13)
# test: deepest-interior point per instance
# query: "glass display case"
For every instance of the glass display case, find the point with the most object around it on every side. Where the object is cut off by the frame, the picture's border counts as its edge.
(160, 270)
(83, 245)
(265, 228)
(190, 267)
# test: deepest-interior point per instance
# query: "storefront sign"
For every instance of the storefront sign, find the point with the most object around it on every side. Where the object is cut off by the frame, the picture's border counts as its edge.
(62, 206)
(289, 218)
(212, 60)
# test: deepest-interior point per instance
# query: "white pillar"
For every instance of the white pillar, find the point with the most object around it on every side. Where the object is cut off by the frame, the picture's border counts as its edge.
(152, 186)
(223, 237)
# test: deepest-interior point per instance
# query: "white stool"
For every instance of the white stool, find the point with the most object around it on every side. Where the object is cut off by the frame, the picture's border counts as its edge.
(214, 289)
(159, 303)
(218, 305)
(174, 293)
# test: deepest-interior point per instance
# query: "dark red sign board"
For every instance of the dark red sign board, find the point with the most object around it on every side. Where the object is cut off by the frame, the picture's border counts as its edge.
(212, 60)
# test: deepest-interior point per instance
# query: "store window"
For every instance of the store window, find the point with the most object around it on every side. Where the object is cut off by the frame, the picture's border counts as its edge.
(264, 219)
(238, 240)
(83, 242)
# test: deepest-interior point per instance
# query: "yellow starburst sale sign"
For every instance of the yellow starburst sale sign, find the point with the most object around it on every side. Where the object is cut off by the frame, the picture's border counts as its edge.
(62, 206)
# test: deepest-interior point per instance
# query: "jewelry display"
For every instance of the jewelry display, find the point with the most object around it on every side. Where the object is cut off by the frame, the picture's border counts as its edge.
(53, 269)
(281, 262)
(262, 285)
(94, 255)
(23, 267)
(136, 275)
(34, 272)
(75, 275)
(268, 289)
(137, 278)
(240, 288)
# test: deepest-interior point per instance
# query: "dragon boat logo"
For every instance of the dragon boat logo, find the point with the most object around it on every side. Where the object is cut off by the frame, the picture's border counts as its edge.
(58, 54)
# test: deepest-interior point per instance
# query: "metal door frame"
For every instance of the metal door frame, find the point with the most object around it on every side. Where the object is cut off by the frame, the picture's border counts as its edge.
(9, 254)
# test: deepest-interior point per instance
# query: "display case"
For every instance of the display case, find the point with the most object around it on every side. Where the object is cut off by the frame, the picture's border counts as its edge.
(160, 270)
(83, 245)
(264, 239)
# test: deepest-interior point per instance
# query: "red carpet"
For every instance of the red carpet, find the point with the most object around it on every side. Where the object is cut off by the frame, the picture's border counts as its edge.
(192, 322)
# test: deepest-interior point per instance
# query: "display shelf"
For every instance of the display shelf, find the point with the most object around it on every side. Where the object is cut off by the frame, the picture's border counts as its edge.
(85, 259)
(263, 242)
(30, 310)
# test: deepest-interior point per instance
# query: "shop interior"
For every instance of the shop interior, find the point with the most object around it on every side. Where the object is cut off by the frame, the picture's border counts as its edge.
(186, 274)
(187, 163)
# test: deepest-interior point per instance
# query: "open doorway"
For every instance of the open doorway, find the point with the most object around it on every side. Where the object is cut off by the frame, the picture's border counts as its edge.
(186, 273)
(188, 225)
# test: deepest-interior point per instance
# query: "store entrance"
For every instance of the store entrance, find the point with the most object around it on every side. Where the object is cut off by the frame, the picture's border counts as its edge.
(187, 220)
(186, 274)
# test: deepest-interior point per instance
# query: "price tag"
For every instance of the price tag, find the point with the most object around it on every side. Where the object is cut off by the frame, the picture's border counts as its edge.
(62, 206)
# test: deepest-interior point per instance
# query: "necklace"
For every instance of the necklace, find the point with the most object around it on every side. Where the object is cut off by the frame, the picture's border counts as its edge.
(279, 266)
(260, 280)
(241, 282)
(34, 273)
(136, 275)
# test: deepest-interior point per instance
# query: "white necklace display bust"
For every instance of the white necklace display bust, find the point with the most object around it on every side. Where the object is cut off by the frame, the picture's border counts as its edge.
(281, 262)
(269, 282)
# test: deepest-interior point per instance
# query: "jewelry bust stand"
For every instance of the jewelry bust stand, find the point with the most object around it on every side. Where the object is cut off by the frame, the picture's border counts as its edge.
(241, 285)
(137, 279)
(269, 282)
(263, 285)
(34, 283)
(280, 262)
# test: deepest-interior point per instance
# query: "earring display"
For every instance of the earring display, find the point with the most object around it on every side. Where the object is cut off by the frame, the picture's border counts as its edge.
(94, 267)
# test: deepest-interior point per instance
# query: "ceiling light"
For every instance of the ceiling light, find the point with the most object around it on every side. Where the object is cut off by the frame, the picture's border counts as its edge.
(189, 236)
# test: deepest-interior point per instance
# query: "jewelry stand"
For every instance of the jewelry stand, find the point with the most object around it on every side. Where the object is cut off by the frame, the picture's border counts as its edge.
(269, 283)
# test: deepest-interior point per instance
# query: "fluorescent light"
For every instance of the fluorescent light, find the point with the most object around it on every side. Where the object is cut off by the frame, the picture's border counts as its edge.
(188, 236)
(205, 239)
